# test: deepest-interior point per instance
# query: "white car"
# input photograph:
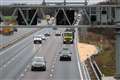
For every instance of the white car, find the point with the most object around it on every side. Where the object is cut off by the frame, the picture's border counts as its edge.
(38, 64)
(43, 37)
(37, 39)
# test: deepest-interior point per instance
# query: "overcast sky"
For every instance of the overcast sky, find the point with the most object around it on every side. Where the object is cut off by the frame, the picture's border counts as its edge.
(39, 1)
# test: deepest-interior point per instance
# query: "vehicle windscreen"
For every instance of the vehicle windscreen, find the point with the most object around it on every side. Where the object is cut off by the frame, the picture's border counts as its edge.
(37, 36)
(67, 34)
(38, 59)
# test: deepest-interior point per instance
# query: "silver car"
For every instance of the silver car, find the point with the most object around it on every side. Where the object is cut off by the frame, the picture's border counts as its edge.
(38, 64)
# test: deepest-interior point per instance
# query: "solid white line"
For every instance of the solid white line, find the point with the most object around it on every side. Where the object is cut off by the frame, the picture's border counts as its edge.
(15, 44)
(19, 42)
(79, 67)
(5, 65)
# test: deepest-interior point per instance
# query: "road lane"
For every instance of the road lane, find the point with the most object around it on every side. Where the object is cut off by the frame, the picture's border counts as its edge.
(14, 66)
(56, 70)
(67, 70)
(49, 51)
(7, 54)
(5, 40)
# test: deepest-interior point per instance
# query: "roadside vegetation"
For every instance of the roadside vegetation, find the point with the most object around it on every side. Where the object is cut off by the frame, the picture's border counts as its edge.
(105, 40)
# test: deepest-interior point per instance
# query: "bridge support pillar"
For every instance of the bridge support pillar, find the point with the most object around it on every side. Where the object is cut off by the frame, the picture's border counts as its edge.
(117, 76)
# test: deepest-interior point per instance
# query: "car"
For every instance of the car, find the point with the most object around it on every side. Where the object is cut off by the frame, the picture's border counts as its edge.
(58, 34)
(54, 28)
(65, 55)
(43, 37)
(70, 29)
(47, 34)
(37, 39)
(15, 29)
(38, 64)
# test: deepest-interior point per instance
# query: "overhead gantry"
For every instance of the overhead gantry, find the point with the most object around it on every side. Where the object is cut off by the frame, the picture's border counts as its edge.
(106, 16)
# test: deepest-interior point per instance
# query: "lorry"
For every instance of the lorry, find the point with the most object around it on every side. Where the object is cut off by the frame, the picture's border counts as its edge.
(7, 30)
(68, 37)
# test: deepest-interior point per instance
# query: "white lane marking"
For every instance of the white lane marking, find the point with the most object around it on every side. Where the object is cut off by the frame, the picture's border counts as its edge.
(18, 79)
(25, 39)
(28, 66)
(5, 65)
(53, 66)
(51, 75)
(26, 70)
(79, 67)
(1, 53)
(22, 75)
(52, 70)
(10, 61)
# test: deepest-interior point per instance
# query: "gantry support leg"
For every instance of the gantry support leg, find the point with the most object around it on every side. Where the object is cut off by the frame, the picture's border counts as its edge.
(117, 76)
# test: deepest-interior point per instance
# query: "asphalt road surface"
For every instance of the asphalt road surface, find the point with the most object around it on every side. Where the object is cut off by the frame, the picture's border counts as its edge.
(15, 62)
(14, 59)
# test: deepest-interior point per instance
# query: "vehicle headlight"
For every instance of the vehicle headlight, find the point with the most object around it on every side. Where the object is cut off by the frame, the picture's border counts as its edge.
(64, 39)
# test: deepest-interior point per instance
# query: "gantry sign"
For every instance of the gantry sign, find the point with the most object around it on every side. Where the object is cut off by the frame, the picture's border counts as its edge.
(89, 16)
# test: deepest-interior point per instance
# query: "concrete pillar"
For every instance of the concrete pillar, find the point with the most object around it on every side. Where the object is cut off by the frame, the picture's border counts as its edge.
(43, 3)
(117, 76)
(64, 2)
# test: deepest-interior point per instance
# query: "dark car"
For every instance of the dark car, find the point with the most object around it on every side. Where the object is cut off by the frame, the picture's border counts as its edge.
(47, 34)
(57, 34)
(54, 28)
(65, 55)
(15, 29)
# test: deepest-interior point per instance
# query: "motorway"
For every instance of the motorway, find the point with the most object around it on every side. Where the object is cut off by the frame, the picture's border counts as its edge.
(5, 40)
(15, 61)
(67, 70)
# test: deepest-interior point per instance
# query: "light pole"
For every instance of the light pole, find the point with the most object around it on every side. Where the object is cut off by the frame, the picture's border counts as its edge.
(64, 2)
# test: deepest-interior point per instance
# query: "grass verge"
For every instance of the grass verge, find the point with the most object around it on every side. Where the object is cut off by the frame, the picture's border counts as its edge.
(106, 58)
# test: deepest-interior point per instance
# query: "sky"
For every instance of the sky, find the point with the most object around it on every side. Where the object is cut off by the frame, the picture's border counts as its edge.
(6, 2)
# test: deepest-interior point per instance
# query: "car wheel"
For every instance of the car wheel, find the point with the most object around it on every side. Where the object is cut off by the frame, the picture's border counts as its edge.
(44, 69)
(32, 69)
